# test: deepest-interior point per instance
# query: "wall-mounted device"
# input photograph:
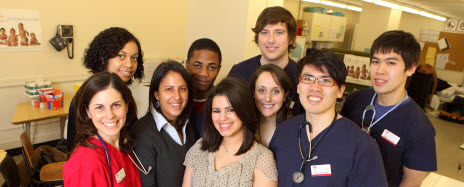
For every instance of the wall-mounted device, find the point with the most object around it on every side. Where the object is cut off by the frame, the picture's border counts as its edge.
(63, 38)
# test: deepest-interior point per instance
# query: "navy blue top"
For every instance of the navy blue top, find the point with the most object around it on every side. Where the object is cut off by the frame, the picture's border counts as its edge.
(353, 156)
(197, 121)
(244, 71)
(416, 146)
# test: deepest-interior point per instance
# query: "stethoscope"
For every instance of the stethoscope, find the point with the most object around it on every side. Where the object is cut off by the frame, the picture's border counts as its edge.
(109, 164)
(298, 176)
(371, 107)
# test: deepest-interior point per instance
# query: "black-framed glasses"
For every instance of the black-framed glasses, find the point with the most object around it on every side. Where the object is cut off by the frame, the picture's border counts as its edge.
(306, 79)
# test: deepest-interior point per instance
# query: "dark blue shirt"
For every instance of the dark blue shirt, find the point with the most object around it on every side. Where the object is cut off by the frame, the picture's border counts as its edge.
(416, 146)
(245, 70)
(353, 156)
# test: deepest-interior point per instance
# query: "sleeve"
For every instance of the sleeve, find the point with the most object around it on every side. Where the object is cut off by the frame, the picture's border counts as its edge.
(192, 154)
(420, 151)
(146, 152)
(368, 169)
(266, 164)
(235, 72)
(86, 175)
(71, 132)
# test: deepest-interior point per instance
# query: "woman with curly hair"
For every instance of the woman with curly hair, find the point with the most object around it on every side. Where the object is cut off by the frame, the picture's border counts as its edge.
(104, 156)
(114, 50)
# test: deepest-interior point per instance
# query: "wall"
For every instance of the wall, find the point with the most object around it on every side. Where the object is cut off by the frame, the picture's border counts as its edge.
(159, 25)
(414, 23)
(229, 24)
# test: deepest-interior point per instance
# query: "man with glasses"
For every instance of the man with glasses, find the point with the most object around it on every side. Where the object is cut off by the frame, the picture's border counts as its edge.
(404, 133)
(320, 147)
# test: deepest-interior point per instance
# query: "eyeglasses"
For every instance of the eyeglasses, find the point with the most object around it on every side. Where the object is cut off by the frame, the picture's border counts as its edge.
(306, 79)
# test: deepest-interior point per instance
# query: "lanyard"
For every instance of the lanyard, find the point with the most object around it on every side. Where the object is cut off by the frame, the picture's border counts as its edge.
(107, 158)
(298, 176)
(393, 108)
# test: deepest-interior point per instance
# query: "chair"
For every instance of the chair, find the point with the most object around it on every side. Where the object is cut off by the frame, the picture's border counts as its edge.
(48, 174)
(9, 171)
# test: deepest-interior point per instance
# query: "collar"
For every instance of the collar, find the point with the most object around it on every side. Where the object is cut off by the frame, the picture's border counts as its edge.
(161, 122)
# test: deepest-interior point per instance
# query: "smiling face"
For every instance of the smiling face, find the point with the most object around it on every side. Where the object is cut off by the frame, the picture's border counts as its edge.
(172, 95)
(273, 42)
(125, 63)
(387, 74)
(107, 109)
(269, 96)
(203, 67)
(225, 120)
(317, 99)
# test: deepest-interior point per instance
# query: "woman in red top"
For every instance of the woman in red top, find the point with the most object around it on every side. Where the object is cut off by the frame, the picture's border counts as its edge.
(103, 157)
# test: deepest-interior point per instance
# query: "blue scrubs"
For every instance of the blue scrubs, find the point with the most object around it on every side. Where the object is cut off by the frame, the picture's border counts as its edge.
(415, 148)
(353, 156)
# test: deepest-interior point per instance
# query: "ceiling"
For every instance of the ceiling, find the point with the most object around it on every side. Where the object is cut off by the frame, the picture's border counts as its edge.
(453, 9)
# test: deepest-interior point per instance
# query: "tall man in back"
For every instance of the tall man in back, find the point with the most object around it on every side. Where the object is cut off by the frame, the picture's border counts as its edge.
(203, 64)
(405, 135)
(275, 33)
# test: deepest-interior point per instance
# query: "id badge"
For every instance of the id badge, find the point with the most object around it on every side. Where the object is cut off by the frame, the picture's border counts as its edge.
(390, 137)
(120, 175)
(321, 170)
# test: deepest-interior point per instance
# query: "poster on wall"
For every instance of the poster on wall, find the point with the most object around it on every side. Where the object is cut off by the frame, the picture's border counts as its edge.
(20, 30)
(357, 69)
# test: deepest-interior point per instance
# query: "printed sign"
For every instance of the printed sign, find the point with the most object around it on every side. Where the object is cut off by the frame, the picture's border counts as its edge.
(20, 30)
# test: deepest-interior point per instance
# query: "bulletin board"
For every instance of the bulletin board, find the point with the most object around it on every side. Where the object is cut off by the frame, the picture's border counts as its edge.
(449, 59)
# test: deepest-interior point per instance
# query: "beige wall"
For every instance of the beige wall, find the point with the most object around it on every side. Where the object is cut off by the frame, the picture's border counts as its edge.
(414, 23)
(159, 25)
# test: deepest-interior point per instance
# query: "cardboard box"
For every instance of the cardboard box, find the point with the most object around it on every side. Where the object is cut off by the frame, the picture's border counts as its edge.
(53, 98)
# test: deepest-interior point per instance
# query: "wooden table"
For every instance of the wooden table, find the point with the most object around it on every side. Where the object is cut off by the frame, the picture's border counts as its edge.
(26, 113)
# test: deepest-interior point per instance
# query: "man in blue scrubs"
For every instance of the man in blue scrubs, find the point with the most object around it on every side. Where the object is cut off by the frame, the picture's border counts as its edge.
(203, 64)
(403, 132)
(319, 147)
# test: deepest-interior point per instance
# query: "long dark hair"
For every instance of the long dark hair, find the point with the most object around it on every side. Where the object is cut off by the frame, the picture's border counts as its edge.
(241, 100)
(160, 72)
(280, 78)
(93, 85)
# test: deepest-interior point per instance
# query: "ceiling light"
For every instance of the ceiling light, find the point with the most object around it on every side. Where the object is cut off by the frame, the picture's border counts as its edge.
(422, 13)
(410, 10)
(354, 8)
(387, 4)
(333, 4)
(313, 1)
(440, 18)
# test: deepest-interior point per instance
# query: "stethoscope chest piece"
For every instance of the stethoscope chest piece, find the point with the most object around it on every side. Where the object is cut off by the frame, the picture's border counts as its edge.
(298, 177)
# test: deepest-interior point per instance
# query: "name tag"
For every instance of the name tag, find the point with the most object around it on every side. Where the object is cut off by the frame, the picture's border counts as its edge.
(321, 170)
(390, 137)
(120, 175)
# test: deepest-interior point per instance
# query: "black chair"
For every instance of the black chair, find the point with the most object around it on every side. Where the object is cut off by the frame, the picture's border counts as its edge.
(10, 172)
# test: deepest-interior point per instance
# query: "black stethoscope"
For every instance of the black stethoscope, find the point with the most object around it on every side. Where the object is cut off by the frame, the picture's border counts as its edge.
(298, 176)
(109, 164)
(371, 107)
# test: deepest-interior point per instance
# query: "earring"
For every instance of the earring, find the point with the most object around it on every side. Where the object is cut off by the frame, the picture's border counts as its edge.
(157, 104)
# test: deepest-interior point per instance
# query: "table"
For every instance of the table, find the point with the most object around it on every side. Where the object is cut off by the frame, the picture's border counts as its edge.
(26, 113)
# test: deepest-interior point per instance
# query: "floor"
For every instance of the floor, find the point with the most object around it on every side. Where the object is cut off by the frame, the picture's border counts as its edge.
(449, 136)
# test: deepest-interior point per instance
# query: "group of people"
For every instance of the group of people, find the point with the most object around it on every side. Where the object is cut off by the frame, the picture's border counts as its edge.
(271, 122)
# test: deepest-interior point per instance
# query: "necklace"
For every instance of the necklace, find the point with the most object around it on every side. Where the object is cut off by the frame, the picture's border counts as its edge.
(227, 151)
